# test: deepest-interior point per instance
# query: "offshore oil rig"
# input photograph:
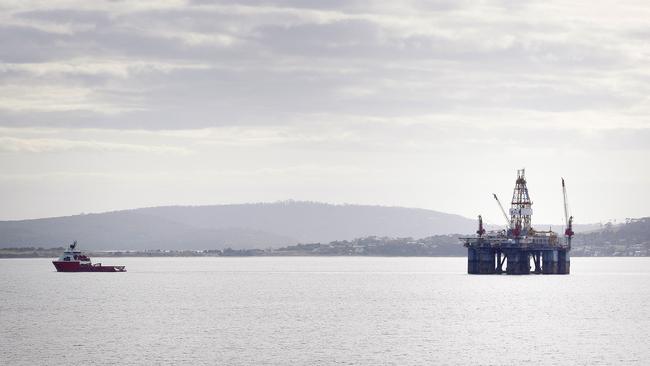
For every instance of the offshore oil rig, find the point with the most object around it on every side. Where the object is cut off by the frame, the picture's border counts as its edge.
(518, 244)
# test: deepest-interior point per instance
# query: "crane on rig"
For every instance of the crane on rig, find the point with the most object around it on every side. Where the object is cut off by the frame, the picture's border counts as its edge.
(568, 220)
(481, 229)
(505, 216)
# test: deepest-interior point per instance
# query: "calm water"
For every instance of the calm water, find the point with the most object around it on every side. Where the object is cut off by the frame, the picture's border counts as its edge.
(323, 311)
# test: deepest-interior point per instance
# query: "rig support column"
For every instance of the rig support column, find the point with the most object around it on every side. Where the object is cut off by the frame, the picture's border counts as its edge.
(472, 261)
(486, 260)
(564, 262)
(549, 262)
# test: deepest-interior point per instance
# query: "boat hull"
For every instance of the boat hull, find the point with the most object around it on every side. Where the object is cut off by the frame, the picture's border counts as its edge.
(64, 266)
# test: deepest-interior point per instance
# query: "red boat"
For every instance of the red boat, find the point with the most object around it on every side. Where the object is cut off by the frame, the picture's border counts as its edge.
(75, 261)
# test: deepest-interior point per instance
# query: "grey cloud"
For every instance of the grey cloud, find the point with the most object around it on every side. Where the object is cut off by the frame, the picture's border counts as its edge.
(25, 44)
(214, 97)
(277, 67)
(354, 6)
(305, 4)
(67, 16)
(41, 145)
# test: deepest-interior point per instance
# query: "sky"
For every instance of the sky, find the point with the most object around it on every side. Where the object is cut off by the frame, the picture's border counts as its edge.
(430, 104)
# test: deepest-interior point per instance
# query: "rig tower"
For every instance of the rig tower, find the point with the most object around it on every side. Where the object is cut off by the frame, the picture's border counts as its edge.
(519, 243)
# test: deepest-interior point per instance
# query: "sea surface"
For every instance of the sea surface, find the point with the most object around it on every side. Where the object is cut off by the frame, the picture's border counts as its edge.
(323, 311)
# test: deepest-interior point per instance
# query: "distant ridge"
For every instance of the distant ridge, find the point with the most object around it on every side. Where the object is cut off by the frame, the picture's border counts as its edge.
(253, 225)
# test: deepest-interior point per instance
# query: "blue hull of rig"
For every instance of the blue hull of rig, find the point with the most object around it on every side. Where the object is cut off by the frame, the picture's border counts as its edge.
(486, 258)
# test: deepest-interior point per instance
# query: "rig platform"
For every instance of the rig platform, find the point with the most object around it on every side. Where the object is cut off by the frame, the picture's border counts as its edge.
(511, 250)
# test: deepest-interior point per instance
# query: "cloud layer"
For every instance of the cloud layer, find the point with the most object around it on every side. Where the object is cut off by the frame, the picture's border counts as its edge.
(122, 65)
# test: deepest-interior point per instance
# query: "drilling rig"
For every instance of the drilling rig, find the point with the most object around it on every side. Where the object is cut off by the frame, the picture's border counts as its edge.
(519, 244)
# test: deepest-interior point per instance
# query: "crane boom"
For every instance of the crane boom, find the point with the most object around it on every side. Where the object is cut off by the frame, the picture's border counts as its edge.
(566, 204)
(505, 216)
(568, 220)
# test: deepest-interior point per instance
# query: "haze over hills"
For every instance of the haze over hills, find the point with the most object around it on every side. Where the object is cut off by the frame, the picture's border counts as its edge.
(258, 225)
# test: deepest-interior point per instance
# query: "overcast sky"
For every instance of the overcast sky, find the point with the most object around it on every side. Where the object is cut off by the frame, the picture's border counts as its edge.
(431, 104)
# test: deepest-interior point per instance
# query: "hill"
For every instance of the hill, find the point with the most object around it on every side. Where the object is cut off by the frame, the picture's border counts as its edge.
(258, 225)
(629, 239)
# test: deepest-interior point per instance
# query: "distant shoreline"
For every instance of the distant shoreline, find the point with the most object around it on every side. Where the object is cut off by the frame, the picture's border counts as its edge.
(30, 253)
